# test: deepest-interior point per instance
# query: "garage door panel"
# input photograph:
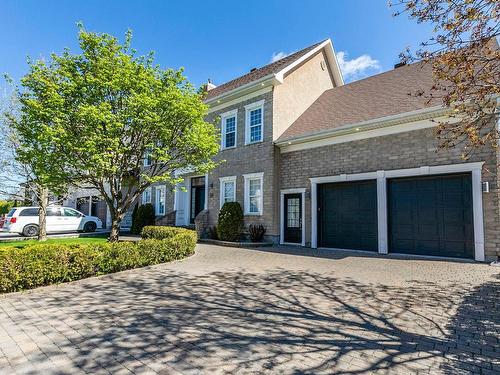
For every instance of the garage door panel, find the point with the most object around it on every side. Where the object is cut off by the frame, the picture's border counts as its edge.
(431, 215)
(348, 215)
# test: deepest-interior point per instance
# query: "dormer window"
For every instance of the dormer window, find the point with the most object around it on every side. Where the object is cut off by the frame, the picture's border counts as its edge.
(254, 128)
(229, 126)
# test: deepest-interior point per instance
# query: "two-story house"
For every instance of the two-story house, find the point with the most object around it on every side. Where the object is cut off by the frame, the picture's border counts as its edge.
(325, 164)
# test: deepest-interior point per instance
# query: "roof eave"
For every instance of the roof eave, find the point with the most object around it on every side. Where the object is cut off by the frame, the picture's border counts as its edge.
(268, 80)
(367, 125)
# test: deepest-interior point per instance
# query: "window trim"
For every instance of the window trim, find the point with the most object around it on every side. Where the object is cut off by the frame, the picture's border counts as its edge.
(248, 109)
(247, 178)
(222, 182)
(148, 158)
(143, 201)
(224, 117)
(157, 196)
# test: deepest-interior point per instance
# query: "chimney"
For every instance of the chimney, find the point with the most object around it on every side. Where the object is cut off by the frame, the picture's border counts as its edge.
(399, 64)
(210, 85)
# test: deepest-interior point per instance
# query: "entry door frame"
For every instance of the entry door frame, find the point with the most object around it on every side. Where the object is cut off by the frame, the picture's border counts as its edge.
(283, 192)
(182, 199)
(382, 175)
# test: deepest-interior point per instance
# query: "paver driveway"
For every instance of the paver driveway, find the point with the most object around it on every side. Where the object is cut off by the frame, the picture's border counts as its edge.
(251, 311)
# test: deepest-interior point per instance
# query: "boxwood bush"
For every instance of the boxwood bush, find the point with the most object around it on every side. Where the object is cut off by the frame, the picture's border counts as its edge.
(163, 232)
(230, 223)
(144, 216)
(44, 264)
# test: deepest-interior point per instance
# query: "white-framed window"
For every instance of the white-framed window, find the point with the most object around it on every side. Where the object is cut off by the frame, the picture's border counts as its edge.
(160, 200)
(227, 189)
(254, 122)
(253, 193)
(148, 158)
(229, 125)
(146, 196)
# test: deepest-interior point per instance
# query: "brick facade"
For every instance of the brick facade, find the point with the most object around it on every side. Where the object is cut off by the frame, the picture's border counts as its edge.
(398, 151)
(246, 159)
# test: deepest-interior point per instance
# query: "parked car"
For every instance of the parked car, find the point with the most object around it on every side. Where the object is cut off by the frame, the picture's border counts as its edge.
(24, 220)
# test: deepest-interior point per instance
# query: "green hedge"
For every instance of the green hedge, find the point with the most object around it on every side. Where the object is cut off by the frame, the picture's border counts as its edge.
(45, 264)
(162, 232)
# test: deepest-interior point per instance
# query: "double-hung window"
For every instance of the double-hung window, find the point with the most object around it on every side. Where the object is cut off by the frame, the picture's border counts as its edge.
(254, 122)
(229, 129)
(160, 200)
(227, 189)
(146, 196)
(253, 193)
(148, 158)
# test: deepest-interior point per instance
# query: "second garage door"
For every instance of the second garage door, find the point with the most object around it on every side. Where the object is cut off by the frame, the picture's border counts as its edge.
(431, 215)
(347, 215)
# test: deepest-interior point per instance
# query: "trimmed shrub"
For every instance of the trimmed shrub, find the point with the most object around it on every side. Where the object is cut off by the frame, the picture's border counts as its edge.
(133, 228)
(164, 232)
(44, 264)
(230, 223)
(256, 232)
(145, 216)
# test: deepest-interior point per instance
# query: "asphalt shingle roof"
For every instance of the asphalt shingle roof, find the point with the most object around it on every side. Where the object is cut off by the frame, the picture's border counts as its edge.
(374, 97)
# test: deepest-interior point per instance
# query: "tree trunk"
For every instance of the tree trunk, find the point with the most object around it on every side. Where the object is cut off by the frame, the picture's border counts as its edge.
(116, 220)
(42, 213)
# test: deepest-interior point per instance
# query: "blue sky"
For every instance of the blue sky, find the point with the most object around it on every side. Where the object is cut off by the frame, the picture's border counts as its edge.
(212, 39)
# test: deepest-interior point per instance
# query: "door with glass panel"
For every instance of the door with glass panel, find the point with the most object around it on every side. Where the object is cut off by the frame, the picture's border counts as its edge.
(293, 218)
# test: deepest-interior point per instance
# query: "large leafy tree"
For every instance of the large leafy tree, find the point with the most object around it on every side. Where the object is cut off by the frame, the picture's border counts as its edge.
(105, 110)
(465, 60)
(31, 165)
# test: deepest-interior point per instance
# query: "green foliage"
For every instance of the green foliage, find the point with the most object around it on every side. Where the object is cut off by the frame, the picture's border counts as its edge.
(230, 222)
(119, 107)
(46, 264)
(145, 216)
(5, 207)
(162, 232)
(133, 229)
(256, 232)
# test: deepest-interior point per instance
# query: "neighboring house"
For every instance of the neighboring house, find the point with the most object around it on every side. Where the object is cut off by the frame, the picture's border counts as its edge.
(325, 164)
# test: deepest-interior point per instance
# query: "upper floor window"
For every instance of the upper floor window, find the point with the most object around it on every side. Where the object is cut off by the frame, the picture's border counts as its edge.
(148, 158)
(253, 193)
(227, 189)
(254, 128)
(229, 126)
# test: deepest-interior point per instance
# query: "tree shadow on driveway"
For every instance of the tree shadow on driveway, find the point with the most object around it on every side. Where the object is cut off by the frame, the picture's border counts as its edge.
(160, 320)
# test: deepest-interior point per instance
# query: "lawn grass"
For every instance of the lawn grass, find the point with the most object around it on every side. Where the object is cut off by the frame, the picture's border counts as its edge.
(76, 240)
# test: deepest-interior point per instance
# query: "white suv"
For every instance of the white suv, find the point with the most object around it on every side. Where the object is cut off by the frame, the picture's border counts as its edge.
(24, 220)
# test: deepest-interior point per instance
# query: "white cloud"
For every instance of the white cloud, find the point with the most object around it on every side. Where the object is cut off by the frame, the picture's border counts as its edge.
(356, 68)
(278, 56)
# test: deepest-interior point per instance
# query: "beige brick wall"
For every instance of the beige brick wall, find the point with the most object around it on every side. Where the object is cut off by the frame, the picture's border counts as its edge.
(398, 151)
(245, 159)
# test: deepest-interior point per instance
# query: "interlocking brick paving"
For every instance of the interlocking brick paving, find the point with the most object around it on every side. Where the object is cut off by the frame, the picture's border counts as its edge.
(287, 311)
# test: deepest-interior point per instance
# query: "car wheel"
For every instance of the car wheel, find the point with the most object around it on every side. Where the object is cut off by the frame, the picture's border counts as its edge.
(90, 227)
(30, 230)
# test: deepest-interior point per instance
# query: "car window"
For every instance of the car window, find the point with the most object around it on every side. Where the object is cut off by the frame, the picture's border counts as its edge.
(29, 212)
(11, 212)
(53, 212)
(70, 212)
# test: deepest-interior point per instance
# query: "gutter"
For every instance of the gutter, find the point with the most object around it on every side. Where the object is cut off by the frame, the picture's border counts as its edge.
(376, 123)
